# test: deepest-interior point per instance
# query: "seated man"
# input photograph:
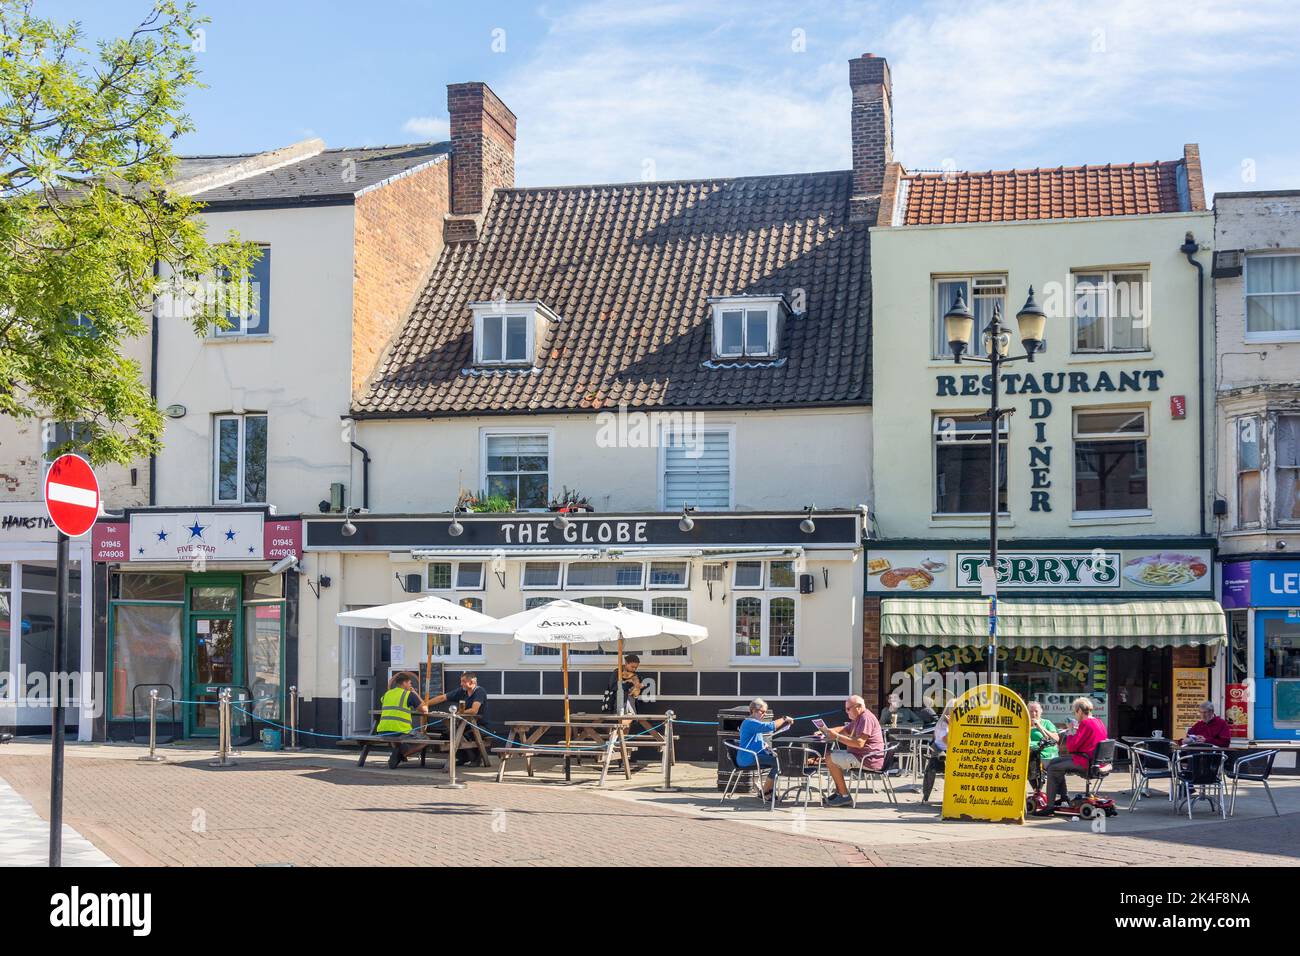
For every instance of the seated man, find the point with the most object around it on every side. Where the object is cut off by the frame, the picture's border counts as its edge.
(395, 709)
(1210, 729)
(1043, 738)
(1080, 745)
(864, 745)
(470, 700)
(754, 750)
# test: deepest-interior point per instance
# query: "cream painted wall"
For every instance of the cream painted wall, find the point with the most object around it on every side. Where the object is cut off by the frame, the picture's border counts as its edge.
(828, 621)
(1254, 377)
(419, 466)
(299, 374)
(904, 260)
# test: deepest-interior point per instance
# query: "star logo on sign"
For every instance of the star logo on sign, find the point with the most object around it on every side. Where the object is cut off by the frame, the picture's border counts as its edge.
(196, 530)
(140, 550)
(162, 535)
(230, 534)
(250, 549)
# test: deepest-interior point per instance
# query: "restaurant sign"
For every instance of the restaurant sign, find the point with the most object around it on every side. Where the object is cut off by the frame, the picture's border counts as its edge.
(1096, 570)
(988, 756)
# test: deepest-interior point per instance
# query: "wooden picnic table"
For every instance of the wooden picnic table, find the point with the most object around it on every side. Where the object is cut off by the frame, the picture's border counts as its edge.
(599, 738)
(651, 734)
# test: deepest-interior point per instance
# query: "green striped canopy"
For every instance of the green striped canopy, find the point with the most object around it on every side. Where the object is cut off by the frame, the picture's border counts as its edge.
(1059, 622)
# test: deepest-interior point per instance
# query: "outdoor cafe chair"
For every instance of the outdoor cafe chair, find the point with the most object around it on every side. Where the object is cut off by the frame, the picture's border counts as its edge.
(796, 765)
(1254, 767)
(737, 771)
(1151, 760)
(889, 769)
(1197, 772)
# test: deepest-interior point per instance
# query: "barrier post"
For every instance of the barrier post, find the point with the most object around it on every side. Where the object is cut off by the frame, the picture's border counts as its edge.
(152, 756)
(451, 783)
(293, 718)
(223, 729)
(669, 756)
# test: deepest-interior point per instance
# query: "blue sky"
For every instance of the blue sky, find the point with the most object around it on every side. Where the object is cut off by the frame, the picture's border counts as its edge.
(616, 91)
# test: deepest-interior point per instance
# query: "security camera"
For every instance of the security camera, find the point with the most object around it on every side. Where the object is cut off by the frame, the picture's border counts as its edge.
(288, 563)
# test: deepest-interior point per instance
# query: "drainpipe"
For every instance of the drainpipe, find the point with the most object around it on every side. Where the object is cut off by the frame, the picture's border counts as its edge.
(365, 475)
(1188, 248)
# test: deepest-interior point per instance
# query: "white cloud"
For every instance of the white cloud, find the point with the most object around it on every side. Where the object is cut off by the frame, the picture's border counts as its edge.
(431, 128)
(625, 92)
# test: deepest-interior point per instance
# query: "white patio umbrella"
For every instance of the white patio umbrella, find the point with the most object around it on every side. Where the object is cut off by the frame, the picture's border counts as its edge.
(564, 623)
(426, 615)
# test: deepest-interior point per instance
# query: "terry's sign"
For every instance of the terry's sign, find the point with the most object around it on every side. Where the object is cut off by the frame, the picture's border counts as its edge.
(1039, 569)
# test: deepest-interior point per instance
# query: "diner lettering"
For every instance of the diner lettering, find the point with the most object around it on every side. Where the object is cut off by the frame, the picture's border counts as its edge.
(1051, 383)
(1040, 457)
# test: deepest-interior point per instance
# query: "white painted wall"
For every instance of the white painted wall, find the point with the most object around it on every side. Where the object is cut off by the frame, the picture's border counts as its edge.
(782, 460)
(904, 260)
(299, 374)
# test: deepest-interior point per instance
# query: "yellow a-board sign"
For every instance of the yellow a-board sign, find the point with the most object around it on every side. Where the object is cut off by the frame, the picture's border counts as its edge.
(988, 756)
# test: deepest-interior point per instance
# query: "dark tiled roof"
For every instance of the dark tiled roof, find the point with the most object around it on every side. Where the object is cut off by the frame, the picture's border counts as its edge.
(330, 173)
(629, 269)
(1062, 193)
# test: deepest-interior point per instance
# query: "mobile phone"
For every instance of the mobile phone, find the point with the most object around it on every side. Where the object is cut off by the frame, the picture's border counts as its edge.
(819, 723)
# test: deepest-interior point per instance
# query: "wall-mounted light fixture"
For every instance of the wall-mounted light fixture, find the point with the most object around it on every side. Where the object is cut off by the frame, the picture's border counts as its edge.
(807, 525)
(687, 522)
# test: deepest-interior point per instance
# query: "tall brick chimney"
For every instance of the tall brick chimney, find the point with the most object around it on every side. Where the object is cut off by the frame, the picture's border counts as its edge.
(482, 155)
(873, 130)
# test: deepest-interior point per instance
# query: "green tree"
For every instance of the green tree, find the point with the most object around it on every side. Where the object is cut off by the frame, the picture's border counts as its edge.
(91, 241)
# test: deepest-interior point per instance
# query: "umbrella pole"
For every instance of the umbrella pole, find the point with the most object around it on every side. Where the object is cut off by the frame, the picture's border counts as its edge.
(564, 666)
(618, 677)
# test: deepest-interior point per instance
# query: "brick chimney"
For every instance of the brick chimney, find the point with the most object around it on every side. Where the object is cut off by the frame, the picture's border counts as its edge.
(873, 130)
(482, 156)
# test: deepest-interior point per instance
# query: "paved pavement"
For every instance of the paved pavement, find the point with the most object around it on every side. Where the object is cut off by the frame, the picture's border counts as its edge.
(25, 836)
(316, 808)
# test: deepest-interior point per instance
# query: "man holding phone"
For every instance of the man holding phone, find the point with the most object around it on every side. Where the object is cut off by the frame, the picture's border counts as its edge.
(862, 742)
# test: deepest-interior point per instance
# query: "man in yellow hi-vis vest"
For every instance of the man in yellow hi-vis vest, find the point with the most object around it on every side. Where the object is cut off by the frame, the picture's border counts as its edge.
(395, 709)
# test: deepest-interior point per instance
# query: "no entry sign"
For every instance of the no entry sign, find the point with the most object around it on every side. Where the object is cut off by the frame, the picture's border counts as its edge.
(72, 495)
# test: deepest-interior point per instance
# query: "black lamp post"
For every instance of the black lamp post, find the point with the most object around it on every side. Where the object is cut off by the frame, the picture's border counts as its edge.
(958, 325)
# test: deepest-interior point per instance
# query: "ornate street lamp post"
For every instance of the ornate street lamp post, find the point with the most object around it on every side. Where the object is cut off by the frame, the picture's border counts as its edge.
(959, 324)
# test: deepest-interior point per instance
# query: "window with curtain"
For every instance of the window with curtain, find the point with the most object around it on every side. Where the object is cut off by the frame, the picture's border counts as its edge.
(697, 469)
(1273, 296)
(1110, 311)
(517, 467)
(981, 294)
(1287, 469)
(1247, 472)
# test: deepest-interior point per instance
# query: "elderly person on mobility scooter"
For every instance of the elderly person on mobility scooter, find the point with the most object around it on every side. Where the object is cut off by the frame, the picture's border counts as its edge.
(1080, 745)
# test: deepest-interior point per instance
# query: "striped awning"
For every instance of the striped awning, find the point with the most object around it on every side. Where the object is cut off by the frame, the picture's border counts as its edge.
(1061, 622)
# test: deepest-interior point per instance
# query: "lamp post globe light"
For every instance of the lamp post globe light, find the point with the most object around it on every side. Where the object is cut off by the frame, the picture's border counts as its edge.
(959, 325)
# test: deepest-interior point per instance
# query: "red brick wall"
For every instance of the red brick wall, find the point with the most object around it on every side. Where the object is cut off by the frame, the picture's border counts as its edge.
(398, 235)
(872, 659)
(482, 146)
(871, 122)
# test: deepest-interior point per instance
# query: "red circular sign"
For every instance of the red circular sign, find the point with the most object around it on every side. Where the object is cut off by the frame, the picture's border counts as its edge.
(72, 495)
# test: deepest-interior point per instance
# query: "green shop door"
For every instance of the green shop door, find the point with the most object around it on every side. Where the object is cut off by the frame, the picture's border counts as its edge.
(215, 652)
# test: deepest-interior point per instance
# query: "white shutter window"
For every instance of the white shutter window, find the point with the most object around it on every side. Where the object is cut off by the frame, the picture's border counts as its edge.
(697, 470)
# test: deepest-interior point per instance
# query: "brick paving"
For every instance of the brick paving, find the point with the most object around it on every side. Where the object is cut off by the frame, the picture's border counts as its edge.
(186, 813)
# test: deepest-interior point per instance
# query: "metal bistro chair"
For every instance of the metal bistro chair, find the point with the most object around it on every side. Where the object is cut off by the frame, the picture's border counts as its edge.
(737, 771)
(1151, 760)
(796, 765)
(889, 769)
(1196, 773)
(1255, 767)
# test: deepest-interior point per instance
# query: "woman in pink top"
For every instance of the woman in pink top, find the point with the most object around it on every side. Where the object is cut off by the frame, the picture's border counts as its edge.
(1079, 749)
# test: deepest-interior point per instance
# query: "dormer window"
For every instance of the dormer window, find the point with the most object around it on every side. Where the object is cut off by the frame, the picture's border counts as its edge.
(747, 327)
(507, 333)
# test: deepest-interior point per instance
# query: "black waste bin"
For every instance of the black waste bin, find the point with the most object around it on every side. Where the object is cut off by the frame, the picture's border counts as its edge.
(729, 721)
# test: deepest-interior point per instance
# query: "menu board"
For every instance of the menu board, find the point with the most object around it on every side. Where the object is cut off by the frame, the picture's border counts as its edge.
(432, 679)
(1191, 689)
(988, 756)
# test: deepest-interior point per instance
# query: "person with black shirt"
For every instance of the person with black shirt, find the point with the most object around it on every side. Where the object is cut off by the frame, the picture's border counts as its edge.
(632, 687)
(471, 701)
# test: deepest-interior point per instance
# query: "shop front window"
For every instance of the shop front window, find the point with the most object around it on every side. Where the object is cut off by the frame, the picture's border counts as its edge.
(262, 630)
(6, 616)
(1281, 648)
(146, 652)
(36, 618)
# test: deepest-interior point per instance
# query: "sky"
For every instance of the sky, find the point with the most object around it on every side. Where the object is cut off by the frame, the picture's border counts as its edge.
(609, 91)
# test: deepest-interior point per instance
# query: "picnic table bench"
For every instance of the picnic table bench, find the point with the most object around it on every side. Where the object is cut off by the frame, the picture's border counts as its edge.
(424, 742)
(591, 736)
